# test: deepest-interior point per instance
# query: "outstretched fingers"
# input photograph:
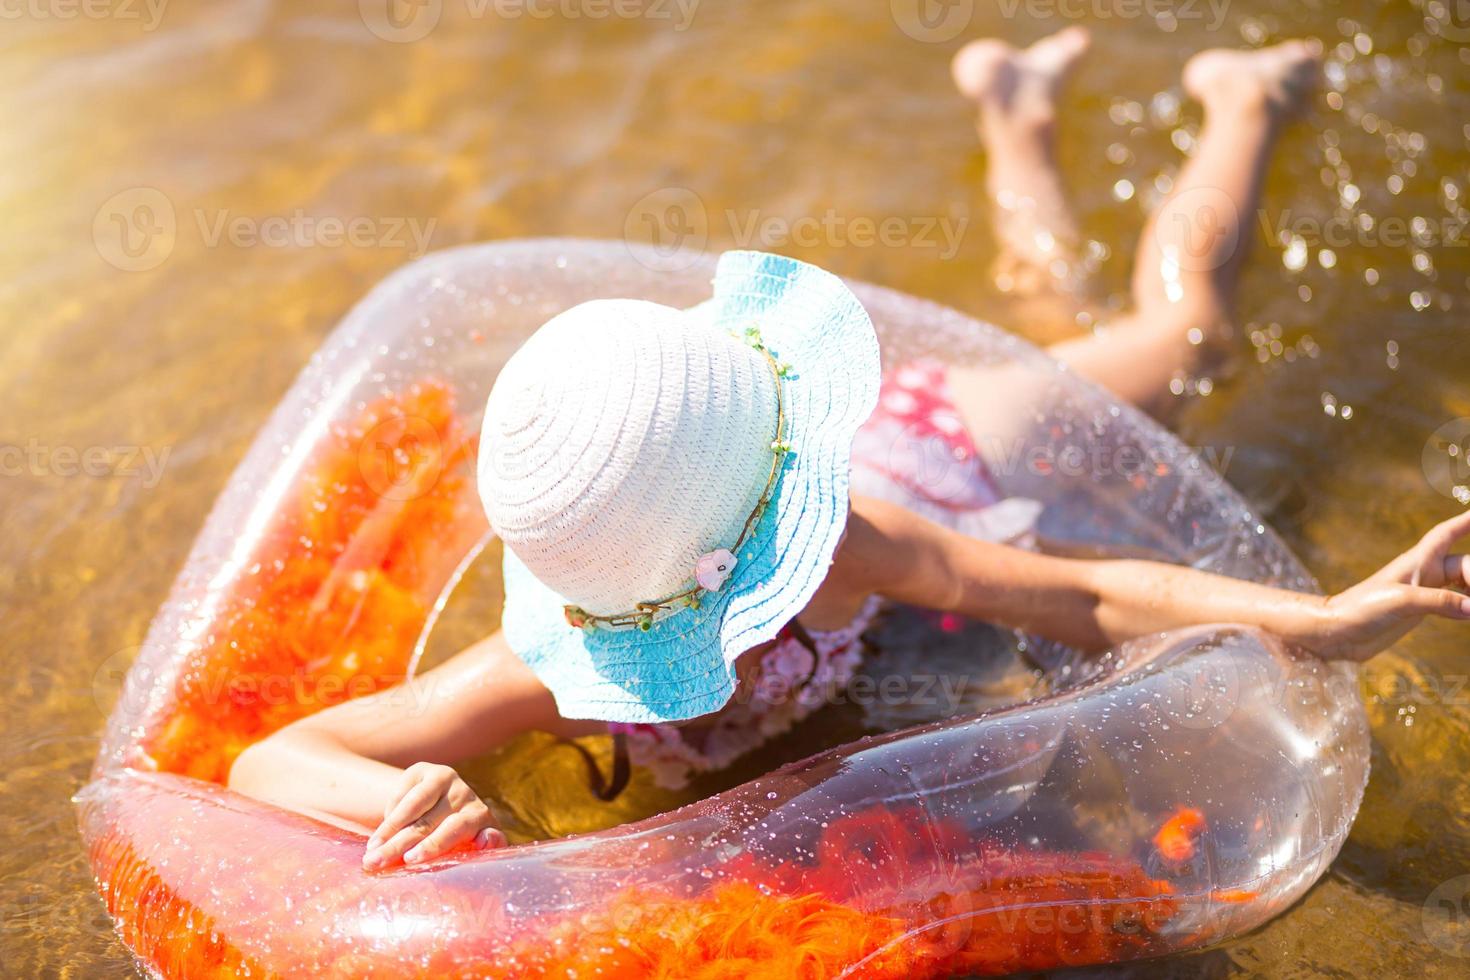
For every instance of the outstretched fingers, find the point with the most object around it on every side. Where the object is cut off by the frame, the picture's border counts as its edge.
(1442, 537)
(1429, 561)
(1456, 572)
(1438, 602)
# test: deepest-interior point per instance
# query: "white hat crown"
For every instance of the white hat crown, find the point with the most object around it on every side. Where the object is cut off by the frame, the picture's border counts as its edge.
(622, 442)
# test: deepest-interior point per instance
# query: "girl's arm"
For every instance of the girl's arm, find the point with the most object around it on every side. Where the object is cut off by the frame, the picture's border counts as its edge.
(1097, 604)
(381, 763)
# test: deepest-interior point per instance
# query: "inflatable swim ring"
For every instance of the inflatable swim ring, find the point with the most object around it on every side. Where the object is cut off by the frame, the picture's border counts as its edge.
(1168, 796)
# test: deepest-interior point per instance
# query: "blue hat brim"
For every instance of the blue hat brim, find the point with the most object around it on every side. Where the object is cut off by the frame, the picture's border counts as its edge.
(683, 667)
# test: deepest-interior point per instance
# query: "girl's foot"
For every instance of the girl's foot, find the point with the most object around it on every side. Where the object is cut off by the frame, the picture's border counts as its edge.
(1279, 79)
(1019, 86)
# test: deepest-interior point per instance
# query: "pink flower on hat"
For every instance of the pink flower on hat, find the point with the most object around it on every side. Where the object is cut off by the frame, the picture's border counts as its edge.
(713, 568)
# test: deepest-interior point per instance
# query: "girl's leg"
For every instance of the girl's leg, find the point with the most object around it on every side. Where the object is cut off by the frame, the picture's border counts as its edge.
(1191, 252)
(1039, 262)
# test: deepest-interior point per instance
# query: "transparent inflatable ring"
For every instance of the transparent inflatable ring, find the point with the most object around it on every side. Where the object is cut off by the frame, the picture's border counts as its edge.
(1176, 793)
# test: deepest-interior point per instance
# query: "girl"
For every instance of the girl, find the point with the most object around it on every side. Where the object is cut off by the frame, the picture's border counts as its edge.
(702, 509)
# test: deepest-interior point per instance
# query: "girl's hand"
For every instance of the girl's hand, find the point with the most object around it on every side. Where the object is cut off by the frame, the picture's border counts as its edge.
(1426, 580)
(433, 812)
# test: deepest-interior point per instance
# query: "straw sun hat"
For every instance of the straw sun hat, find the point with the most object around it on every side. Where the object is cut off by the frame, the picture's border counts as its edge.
(671, 484)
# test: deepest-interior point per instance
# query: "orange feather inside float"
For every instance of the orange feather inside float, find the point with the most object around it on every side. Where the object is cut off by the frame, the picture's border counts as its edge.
(1175, 839)
(328, 608)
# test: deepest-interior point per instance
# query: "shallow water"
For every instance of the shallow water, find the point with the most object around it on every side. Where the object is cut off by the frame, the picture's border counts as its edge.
(153, 355)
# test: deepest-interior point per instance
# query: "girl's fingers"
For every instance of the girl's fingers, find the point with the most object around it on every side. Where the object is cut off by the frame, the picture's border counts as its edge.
(403, 841)
(1438, 602)
(1447, 532)
(489, 838)
(1421, 564)
(458, 828)
(415, 803)
(1439, 539)
(1456, 571)
(411, 778)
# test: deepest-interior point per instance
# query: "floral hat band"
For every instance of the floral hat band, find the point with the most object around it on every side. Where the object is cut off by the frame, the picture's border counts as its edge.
(637, 462)
(712, 568)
